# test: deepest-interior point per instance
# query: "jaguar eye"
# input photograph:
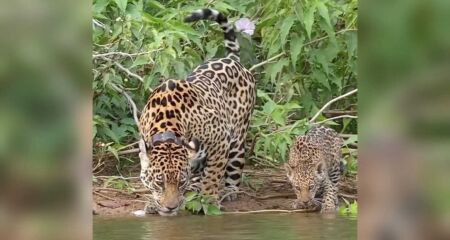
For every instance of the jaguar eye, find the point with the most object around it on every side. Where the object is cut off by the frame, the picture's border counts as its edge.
(310, 187)
(159, 180)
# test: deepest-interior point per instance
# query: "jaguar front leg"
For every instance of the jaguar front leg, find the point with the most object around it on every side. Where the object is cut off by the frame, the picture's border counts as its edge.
(330, 197)
(213, 172)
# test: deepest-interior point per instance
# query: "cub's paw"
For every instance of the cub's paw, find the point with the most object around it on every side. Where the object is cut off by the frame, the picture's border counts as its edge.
(297, 204)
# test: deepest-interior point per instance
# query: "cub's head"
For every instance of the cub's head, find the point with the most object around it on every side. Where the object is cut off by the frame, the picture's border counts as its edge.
(165, 170)
(306, 170)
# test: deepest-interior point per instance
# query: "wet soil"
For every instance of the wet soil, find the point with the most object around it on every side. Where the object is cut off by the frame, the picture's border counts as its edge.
(261, 189)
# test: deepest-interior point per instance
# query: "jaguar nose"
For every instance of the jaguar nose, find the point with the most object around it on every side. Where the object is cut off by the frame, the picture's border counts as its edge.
(171, 208)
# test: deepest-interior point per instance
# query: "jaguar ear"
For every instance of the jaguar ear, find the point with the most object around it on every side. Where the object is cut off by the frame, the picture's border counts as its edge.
(192, 147)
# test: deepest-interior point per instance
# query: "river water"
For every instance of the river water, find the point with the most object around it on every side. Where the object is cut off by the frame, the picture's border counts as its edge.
(233, 227)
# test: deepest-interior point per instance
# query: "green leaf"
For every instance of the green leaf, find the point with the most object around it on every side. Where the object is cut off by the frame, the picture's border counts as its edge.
(291, 105)
(155, 4)
(213, 210)
(122, 4)
(296, 45)
(182, 27)
(94, 131)
(223, 7)
(277, 68)
(278, 116)
(351, 140)
(282, 148)
(285, 27)
(261, 94)
(323, 12)
(194, 206)
(99, 6)
(352, 43)
(190, 196)
(111, 134)
(321, 78)
(309, 19)
(128, 121)
(114, 152)
(211, 50)
(140, 60)
(269, 107)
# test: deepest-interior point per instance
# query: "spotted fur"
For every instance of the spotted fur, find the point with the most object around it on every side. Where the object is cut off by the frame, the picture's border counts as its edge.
(198, 124)
(314, 168)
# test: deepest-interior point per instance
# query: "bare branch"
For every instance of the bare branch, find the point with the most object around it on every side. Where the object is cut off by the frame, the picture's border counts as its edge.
(133, 105)
(331, 102)
(327, 36)
(337, 117)
(267, 61)
(129, 72)
(124, 54)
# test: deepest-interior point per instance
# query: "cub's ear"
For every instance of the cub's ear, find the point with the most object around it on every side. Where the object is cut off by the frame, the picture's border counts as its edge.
(320, 168)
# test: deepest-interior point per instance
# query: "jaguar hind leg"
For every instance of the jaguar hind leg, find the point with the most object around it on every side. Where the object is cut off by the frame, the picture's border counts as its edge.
(233, 171)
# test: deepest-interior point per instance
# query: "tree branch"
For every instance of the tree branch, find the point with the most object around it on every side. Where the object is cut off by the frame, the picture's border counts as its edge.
(133, 105)
(327, 36)
(124, 54)
(267, 61)
(331, 102)
(334, 118)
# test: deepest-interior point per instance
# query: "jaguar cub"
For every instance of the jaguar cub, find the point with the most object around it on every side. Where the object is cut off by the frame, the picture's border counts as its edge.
(314, 168)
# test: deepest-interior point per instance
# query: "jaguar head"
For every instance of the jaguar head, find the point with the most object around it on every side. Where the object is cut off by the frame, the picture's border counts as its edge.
(165, 171)
(306, 175)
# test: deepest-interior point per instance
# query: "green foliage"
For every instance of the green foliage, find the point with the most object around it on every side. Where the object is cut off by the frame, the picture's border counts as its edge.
(350, 156)
(350, 209)
(317, 37)
(196, 203)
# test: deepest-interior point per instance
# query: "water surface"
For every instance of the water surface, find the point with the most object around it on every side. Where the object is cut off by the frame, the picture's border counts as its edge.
(233, 227)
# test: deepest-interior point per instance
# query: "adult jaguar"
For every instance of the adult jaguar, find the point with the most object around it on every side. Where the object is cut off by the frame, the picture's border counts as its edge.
(206, 116)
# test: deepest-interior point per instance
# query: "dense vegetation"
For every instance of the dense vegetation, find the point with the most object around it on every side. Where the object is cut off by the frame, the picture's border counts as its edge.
(139, 43)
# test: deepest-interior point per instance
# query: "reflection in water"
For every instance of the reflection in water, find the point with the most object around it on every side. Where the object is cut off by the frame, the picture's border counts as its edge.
(254, 226)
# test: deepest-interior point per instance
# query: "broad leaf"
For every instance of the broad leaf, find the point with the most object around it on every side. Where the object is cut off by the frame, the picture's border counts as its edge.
(309, 19)
(323, 11)
(122, 4)
(285, 27)
(296, 45)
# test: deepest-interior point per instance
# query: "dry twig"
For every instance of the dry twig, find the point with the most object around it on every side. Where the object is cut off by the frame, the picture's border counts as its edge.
(331, 102)
(124, 54)
(337, 117)
(267, 61)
